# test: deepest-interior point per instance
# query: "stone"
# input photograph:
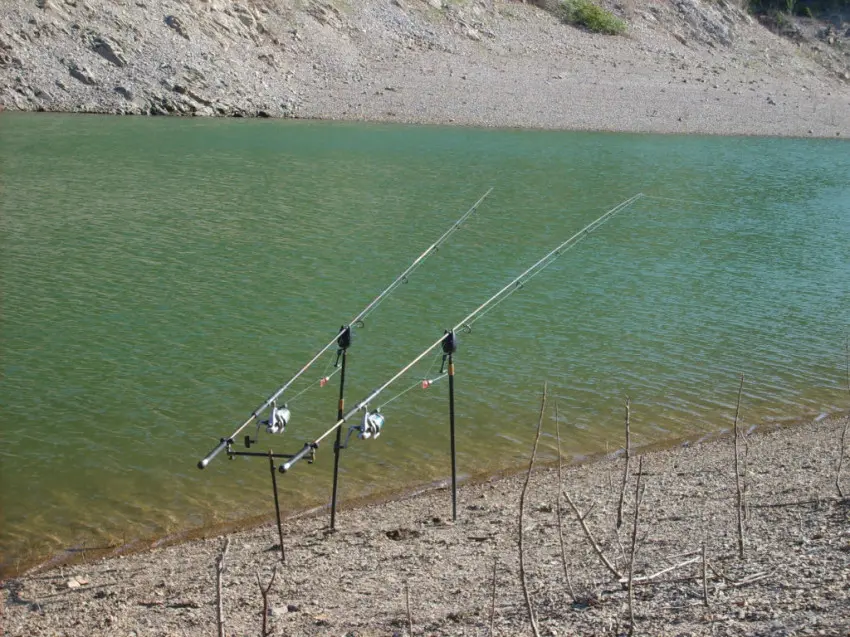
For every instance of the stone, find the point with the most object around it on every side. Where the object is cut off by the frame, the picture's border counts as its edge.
(82, 74)
(109, 50)
(123, 92)
(175, 23)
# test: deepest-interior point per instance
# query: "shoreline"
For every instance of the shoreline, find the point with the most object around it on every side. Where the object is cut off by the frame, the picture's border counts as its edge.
(76, 555)
(386, 542)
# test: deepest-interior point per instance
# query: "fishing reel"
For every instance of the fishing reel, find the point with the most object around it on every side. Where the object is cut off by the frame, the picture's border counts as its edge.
(370, 426)
(275, 424)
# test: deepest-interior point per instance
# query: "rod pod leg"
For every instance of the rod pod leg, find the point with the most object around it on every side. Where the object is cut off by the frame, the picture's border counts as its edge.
(337, 445)
(277, 506)
(452, 434)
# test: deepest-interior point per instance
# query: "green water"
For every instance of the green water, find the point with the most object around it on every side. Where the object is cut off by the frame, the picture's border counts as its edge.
(160, 278)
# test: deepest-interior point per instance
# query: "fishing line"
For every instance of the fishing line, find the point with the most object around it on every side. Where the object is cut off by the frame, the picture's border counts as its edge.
(372, 420)
(691, 201)
(424, 383)
(356, 321)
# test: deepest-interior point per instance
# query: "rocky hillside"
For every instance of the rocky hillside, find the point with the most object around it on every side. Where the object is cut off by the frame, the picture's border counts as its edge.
(488, 62)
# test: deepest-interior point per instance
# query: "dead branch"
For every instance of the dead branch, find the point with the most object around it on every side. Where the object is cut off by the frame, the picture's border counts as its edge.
(638, 498)
(219, 571)
(265, 593)
(846, 425)
(558, 509)
(493, 598)
(648, 578)
(407, 604)
(591, 539)
(522, 514)
(738, 476)
(704, 579)
(626, 467)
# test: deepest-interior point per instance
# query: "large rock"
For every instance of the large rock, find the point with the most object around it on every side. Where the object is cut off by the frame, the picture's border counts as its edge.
(82, 74)
(109, 49)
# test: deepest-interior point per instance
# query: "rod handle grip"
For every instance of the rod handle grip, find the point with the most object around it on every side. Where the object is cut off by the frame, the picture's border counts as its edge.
(212, 454)
(309, 447)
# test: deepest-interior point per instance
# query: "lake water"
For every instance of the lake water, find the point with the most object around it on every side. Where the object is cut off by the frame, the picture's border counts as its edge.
(162, 277)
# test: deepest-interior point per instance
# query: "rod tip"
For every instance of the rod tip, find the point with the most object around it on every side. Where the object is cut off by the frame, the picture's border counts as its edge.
(202, 464)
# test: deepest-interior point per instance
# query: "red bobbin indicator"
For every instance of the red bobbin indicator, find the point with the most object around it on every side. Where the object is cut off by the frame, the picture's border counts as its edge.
(324, 381)
(426, 384)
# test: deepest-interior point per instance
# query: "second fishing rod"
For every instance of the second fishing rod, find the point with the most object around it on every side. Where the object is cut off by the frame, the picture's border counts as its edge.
(373, 421)
(279, 417)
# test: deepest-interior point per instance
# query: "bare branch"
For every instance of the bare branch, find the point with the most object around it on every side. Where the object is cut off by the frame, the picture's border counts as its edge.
(265, 593)
(219, 571)
(638, 498)
(626, 467)
(738, 477)
(522, 514)
(558, 509)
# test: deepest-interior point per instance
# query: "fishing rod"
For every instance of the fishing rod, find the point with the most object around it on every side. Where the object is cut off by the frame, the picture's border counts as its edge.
(279, 417)
(373, 422)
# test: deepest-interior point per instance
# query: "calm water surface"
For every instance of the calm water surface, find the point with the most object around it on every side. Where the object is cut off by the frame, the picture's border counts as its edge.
(160, 278)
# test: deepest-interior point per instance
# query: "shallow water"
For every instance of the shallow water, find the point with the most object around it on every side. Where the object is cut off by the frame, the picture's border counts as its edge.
(162, 277)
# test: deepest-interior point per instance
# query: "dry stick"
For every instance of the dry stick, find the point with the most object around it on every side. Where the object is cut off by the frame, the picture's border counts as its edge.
(648, 578)
(738, 476)
(626, 468)
(219, 570)
(704, 579)
(591, 539)
(558, 508)
(522, 513)
(493, 598)
(846, 425)
(407, 603)
(265, 593)
(638, 498)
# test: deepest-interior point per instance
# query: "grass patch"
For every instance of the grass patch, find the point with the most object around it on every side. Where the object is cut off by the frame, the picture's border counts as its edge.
(586, 14)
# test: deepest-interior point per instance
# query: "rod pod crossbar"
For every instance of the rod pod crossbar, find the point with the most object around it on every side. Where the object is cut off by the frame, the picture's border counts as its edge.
(466, 323)
(399, 280)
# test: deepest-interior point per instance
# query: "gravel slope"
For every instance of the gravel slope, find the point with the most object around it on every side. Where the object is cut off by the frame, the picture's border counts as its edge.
(685, 66)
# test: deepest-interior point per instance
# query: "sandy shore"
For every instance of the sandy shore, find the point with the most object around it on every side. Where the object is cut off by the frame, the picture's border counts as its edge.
(793, 580)
(684, 66)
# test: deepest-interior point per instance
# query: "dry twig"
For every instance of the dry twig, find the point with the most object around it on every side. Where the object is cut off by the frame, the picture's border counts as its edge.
(558, 508)
(219, 571)
(738, 476)
(626, 468)
(638, 499)
(704, 579)
(407, 604)
(591, 539)
(846, 425)
(265, 593)
(493, 598)
(522, 513)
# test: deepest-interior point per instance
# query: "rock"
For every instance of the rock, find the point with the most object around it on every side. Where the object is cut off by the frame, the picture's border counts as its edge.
(437, 4)
(175, 23)
(108, 49)
(123, 92)
(292, 608)
(82, 74)
(771, 101)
